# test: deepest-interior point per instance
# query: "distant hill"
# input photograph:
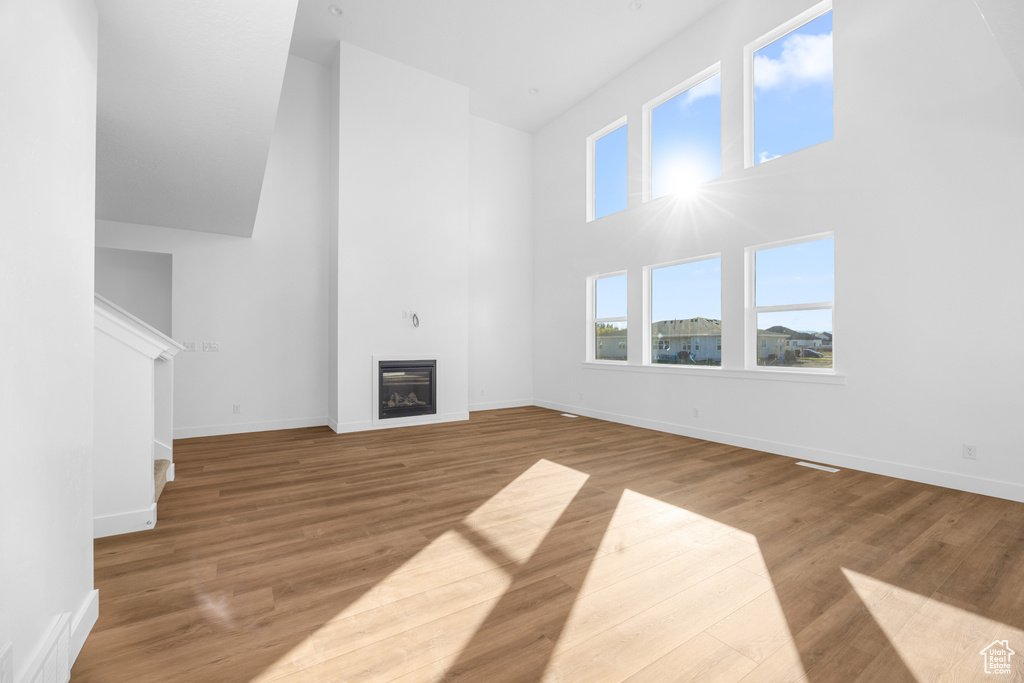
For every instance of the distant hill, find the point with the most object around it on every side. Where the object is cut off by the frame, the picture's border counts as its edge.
(793, 334)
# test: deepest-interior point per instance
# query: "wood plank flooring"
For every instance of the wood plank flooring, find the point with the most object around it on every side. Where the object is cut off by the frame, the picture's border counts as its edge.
(526, 546)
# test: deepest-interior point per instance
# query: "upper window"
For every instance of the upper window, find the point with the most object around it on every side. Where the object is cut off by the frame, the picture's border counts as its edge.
(686, 313)
(794, 293)
(789, 89)
(683, 145)
(610, 342)
(607, 159)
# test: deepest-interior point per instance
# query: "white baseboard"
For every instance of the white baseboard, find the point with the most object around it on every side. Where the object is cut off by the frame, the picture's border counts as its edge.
(349, 427)
(498, 405)
(246, 427)
(923, 475)
(124, 522)
(82, 623)
(368, 425)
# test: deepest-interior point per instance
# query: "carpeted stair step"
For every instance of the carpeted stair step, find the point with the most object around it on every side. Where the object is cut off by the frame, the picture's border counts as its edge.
(159, 477)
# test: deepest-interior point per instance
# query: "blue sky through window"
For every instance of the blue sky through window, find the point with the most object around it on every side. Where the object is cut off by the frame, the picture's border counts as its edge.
(801, 273)
(686, 139)
(610, 297)
(793, 91)
(687, 290)
(610, 172)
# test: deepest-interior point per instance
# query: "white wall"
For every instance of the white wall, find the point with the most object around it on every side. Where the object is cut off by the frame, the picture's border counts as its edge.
(137, 281)
(47, 170)
(500, 266)
(920, 187)
(264, 299)
(402, 233)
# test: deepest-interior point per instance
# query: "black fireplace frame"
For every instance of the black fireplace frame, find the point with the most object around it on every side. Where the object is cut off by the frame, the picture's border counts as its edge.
(385, 413)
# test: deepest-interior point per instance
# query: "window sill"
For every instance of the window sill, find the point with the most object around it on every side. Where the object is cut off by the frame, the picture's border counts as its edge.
(808, 376)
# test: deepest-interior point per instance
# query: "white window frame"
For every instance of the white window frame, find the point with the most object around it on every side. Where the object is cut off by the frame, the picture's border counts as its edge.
(592, 159)
(592, 318)
(648, 281)
(648, 172)
(750, 349)
(748, 71)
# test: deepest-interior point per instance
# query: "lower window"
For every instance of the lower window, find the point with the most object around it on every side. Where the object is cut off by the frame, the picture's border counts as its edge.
(610, 322)
(686, 312)
(794, 290)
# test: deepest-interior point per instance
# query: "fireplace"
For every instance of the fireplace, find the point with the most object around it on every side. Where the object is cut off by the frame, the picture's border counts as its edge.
(407, 388)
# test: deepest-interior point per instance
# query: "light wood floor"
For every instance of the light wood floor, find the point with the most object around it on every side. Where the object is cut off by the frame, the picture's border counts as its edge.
(526, 546)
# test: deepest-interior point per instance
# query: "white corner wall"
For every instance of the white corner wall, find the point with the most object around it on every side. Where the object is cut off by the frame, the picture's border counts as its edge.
(402, 231)
(47, 170)
(264, 298)
(921, 187)
(500, 266)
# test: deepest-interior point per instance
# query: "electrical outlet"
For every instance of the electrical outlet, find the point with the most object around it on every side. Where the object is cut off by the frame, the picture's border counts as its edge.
(6, 665)
(696, 412)
(189, 346)
(211, 346)
(236, 408)
(970, 452)
(581, 395)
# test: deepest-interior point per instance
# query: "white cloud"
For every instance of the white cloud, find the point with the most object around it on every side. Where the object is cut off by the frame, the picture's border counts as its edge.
(805, 60)
(707, 87)
(766, 156)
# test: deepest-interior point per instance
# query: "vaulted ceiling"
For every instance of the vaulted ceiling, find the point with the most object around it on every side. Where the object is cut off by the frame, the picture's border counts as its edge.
(562, 49)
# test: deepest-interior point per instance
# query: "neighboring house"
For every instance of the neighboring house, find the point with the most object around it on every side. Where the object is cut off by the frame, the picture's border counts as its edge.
(802, 340)
(771, 344)
(799, 340)
(612, 345)
(804, 343)
(699, 341)
(694, 340)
